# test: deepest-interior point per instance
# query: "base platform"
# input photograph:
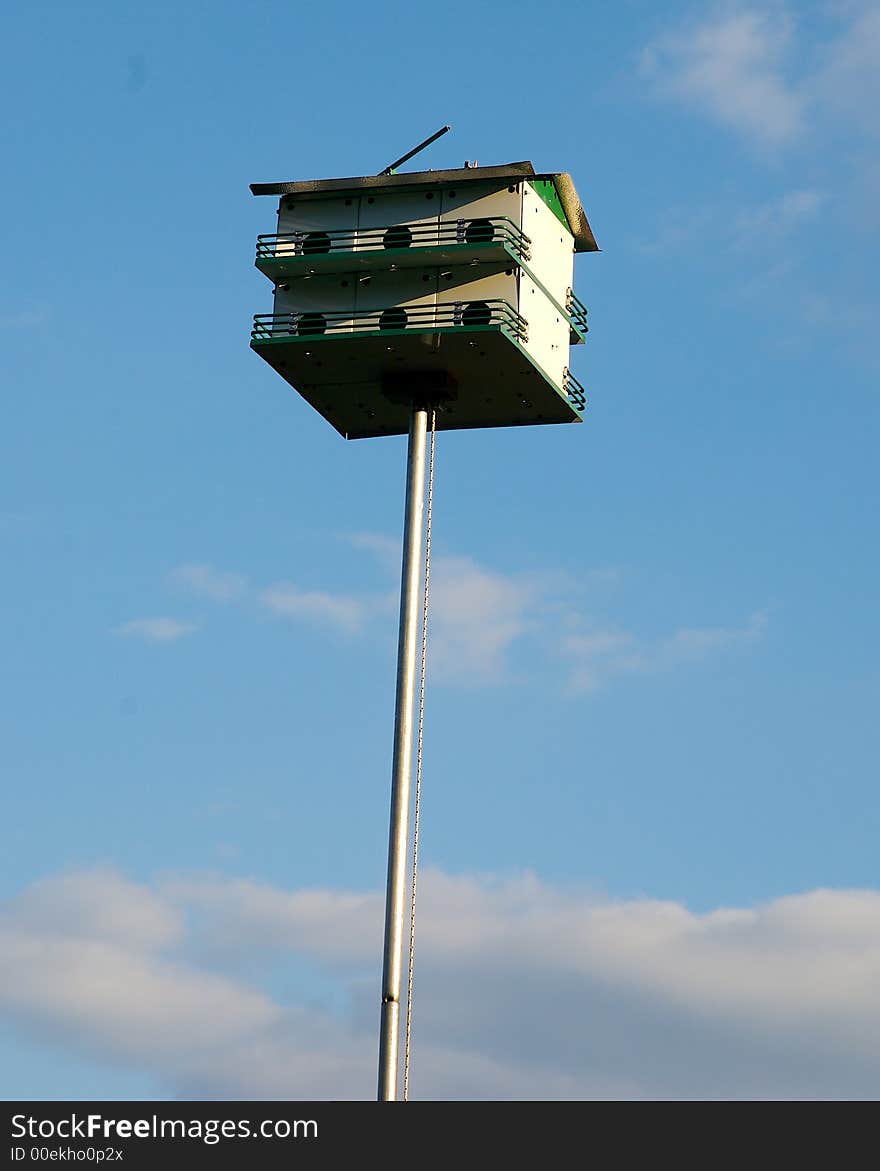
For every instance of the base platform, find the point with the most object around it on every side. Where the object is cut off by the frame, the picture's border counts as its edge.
(342, 377)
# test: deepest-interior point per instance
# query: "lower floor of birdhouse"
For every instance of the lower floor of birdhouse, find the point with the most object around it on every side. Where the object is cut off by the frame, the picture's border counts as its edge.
(359, 382)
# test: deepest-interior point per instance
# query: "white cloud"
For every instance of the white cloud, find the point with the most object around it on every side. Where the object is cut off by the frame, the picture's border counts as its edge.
(211, 582)
(599, 655)
(731, 67)
(734, 67)
(716, 231)
(781, 76)
(848, 83)
(24, 318)
(100, 905)
(524, 990)
(156, 629)
(776, 218)
(691, 644)
(385, 548)
(476, 615)
(346, 613)
(339, 927)
(80, 960)
(479, 617)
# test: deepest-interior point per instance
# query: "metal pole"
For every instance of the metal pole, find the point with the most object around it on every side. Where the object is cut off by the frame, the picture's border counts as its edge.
(401, 769)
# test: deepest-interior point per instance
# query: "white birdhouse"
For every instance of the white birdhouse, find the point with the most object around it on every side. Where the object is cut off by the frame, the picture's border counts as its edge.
(453, 287)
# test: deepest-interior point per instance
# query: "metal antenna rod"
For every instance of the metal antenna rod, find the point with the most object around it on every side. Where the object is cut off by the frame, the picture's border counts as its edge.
(392, 167)
(401, 769)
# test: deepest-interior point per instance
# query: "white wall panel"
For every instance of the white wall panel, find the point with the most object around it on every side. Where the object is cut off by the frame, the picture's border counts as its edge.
(319, 215)
(548, 330)
(552, 252)
(482, 201)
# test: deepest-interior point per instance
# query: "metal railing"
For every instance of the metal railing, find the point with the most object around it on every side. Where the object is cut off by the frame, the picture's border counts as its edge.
(496, 230)
(577, 311)
(464, 314)
(577, 396)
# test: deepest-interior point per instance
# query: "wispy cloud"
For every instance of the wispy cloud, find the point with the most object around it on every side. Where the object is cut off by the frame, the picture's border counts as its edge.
(732, 67)
(210, 582)
(736, 67)
(476, 615)
(720, 230)
(155, 629)
(347, 613)
(599, 655)
(847, 84)
(479, 617)
(783, 77)
(24, 318)
(386, 549)
(776, 1000)
(776, 218)
(695, 643)
(487, 627)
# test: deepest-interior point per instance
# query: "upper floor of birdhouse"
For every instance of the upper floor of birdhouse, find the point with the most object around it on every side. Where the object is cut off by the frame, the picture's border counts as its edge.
(455, 282)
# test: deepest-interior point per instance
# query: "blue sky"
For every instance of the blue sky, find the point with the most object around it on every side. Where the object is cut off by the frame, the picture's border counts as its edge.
(651, 731)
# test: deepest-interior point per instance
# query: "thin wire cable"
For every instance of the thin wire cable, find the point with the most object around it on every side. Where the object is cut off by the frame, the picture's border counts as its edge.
(421, 725)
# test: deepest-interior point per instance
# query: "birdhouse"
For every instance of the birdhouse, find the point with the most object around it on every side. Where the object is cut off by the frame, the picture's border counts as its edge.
(453, 287)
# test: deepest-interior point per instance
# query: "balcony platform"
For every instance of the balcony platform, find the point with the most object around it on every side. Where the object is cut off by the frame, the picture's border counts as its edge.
(492, 244)
(492, 259)
(341, 372)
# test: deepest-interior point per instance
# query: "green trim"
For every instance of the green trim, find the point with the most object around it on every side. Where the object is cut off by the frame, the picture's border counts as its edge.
(546, 188)
(565, 313)
(257, 346)
(525, 353)
(494, 252)
(339, 335)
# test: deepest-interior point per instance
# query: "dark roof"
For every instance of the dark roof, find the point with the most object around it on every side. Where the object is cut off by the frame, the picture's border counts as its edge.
(568, 197)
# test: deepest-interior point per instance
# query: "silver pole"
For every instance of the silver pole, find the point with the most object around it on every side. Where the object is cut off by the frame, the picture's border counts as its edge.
(401, 769)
